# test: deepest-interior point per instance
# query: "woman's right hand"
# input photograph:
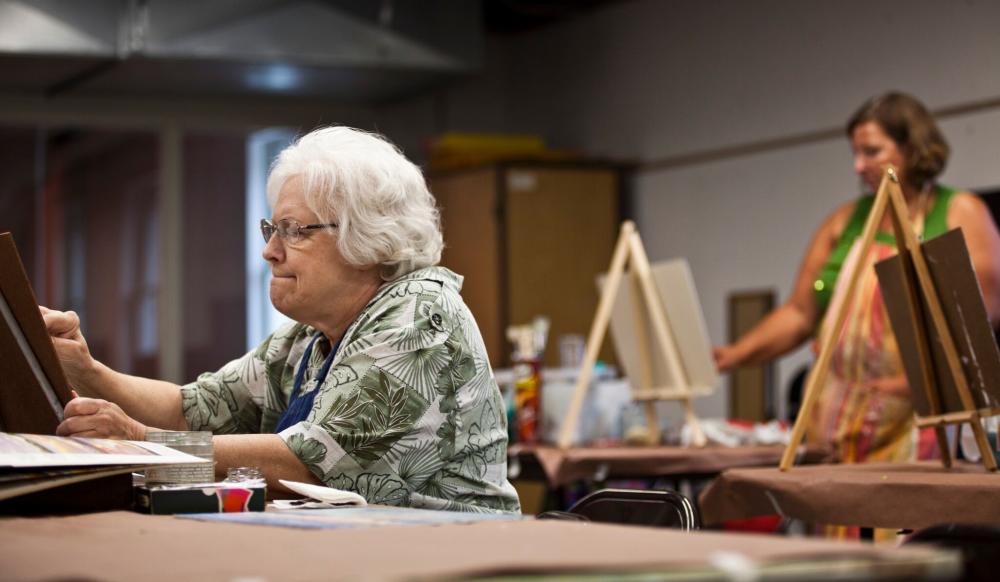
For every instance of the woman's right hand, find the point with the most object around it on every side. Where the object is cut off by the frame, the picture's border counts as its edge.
(71, 346)
(726, 357)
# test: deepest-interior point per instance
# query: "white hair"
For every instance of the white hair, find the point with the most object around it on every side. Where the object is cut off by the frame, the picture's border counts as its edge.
(384, 212)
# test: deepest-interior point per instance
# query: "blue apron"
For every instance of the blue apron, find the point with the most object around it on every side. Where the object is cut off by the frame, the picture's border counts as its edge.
(300, 404)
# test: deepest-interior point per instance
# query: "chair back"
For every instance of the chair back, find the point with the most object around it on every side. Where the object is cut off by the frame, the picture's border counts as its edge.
(658, 508)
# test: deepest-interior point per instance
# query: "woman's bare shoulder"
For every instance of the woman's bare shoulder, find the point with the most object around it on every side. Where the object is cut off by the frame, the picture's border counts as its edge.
(967, 204)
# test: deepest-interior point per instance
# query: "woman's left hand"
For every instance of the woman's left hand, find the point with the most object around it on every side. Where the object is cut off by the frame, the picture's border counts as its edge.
(96, 418)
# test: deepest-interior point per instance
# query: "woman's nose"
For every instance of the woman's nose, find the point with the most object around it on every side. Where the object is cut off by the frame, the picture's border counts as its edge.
(273, 252)
(859, 164)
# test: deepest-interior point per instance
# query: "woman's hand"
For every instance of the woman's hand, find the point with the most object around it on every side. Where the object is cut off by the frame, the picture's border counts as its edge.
(726, 357)
(71, 346)
(92, 417)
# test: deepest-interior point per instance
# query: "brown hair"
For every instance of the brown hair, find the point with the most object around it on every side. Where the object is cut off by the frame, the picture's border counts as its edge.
(911, 126)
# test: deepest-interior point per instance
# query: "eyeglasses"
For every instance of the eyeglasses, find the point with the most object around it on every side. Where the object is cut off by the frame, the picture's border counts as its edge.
(289, 230)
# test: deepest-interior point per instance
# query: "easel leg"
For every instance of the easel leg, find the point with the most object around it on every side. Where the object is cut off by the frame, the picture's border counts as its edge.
(652, 423)
(984, 444)
(697, 435)
(833, 324)
(942, 441)
(812, 390)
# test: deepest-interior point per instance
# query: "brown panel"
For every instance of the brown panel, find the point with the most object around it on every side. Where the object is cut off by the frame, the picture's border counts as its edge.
(965, 311)
(561, 227)
(749, 386)
(903, 316)
(468, 203)
(962, 302)
(23, 404)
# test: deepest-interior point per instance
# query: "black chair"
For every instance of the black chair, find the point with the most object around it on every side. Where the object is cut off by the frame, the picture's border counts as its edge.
(633, 507)
(979, 545)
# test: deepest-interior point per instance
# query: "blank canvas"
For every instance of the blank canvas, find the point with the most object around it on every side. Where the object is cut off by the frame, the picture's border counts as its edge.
(677, 294)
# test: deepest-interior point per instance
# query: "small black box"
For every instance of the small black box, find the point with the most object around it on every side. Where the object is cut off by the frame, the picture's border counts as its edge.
(205, 498)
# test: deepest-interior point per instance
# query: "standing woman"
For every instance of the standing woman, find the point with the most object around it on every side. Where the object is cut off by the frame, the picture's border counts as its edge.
(865, 410)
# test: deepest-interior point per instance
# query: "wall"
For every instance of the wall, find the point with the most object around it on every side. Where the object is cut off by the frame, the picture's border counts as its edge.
(214, 239)
(111, 176)
(653, 81)
(17, 188)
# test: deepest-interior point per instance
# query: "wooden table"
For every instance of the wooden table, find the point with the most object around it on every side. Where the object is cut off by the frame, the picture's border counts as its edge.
(126, 546)
(561, 467)
(901, 495)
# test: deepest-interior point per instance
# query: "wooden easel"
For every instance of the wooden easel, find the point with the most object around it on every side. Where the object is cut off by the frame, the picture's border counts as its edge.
(629, 250)
(889, 198)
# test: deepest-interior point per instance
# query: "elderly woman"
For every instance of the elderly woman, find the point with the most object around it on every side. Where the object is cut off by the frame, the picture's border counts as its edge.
(381, 385)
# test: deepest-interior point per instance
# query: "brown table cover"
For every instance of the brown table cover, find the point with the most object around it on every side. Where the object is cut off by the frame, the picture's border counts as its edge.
(902, 495)
(562, 467)
(126, 546)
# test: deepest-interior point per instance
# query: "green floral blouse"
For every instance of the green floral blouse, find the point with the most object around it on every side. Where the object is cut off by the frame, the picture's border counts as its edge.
(409, 413)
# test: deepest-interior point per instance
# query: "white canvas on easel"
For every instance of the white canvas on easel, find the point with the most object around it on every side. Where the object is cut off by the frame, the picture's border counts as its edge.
(676, 292)
(655, 338)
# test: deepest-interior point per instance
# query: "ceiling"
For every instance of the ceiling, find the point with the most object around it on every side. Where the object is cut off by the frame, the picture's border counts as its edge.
(506, 17)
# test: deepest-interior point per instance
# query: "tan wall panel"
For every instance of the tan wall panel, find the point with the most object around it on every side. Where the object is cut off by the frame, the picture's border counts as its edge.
(468, 203)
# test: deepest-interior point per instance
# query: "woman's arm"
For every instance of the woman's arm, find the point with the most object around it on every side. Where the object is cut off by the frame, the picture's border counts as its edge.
(268, 452)
(793, 322)
(968, 212)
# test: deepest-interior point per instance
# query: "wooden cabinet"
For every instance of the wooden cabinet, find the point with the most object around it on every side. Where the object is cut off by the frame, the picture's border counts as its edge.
(530, 239)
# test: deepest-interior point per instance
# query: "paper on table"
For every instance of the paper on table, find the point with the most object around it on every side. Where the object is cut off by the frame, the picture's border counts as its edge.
(326, 496)
(27, 451)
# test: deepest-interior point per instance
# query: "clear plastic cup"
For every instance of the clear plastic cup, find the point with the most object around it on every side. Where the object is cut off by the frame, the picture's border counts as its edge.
(243, 474)
(197, 443)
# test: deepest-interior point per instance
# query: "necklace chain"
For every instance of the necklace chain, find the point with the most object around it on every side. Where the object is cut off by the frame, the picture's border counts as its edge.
(919, 212)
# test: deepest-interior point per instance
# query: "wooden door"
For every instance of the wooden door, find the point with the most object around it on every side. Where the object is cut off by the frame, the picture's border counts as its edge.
(560, 224)
(751, 393)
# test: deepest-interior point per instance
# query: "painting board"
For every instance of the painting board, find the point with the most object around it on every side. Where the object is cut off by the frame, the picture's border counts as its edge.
(33, 386)
(676, 291)
(955, 280)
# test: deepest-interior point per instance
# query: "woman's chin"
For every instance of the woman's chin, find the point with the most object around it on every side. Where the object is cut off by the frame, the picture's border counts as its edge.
(291, 314)
(283, 304)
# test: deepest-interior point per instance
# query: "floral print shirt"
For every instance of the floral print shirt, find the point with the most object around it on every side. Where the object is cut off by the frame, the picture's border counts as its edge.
(409, 413)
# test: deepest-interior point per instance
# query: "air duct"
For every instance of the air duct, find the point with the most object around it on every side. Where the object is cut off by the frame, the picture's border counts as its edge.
(350, 51)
